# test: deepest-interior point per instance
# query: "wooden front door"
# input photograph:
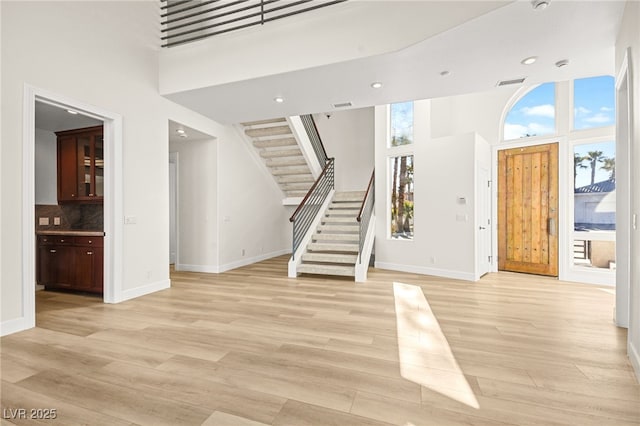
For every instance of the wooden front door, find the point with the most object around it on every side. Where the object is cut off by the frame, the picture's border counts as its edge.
(528, 209)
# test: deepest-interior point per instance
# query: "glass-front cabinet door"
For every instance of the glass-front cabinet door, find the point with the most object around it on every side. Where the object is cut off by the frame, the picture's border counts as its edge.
(99, 166)
(81, 165)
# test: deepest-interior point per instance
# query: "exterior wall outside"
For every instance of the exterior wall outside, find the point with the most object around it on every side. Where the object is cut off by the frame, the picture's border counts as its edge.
(595, 208)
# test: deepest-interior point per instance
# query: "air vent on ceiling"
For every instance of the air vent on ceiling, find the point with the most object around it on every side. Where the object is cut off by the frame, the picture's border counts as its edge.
(342, 105)
(508, 82)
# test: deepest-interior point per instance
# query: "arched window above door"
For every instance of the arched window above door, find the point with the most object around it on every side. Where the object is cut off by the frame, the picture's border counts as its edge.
(534, 114)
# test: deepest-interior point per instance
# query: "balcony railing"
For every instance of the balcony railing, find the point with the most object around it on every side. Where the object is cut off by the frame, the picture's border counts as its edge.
(185, 21)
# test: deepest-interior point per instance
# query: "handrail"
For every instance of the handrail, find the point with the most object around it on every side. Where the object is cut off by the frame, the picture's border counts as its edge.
(314, 137)
(306, 212)
(307, 196)
(364, 216)
(373, 175)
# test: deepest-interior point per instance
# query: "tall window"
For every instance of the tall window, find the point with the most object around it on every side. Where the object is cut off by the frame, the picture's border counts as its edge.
(402, 197)
(401, 124)
(594, 205)
(533, 115)
(400, 165)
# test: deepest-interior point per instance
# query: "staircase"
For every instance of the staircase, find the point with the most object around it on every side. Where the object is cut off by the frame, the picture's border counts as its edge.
(333, 249)
(280, 152)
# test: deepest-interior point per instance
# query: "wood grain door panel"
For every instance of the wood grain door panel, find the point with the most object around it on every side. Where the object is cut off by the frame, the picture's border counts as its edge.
(528, 209)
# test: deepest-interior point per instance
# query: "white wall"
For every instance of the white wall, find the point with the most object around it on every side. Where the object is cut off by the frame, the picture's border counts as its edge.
(106, 54)
(46, 167)
(348, 137)
(444, 233)
(197, 212)
(250, 211)
(475, 112)
(629, 37)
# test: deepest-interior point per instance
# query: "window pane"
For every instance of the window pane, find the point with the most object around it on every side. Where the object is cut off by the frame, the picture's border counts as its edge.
(533, 115)
(594, 205)
(402, 124)
(593, 102)
(402, 197)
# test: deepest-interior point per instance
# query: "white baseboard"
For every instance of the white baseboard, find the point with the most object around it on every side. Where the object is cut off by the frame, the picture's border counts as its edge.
(145, 289)
(250, 260)
(445, 273)
(207, 269)
(634, 357)
(14, 325)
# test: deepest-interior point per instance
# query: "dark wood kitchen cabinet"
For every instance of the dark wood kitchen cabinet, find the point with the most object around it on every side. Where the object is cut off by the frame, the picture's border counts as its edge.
(71, 263)
(81, 165)
(55, 261)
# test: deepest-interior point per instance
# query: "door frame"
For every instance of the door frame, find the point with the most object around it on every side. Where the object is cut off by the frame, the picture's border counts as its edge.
(113, 197)
(173, 208)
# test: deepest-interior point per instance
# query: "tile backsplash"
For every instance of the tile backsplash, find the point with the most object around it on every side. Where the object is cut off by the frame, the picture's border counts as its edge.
(89, 217)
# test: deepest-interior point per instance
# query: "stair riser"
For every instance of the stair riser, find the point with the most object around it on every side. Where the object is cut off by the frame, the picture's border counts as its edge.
(346, 259)
(347, 248)
(275, 143)
(280, 153)
(268, 131)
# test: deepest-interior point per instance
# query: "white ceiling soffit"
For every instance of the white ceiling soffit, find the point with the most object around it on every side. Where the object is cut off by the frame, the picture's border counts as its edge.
(181, 133)
(477, 55)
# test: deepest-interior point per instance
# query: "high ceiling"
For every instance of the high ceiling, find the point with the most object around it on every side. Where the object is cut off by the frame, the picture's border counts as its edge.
(476, 54)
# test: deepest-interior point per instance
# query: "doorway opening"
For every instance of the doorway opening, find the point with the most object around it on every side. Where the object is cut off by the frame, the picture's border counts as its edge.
(36, 98)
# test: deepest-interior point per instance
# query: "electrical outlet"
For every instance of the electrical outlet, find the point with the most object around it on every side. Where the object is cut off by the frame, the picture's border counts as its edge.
(56, 221)
(242, 252)
(43, 221)
(432, 260)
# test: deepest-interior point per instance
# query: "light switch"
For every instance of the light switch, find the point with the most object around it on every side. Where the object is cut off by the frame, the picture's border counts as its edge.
(43, 221)
(130, 220)
(461, 217)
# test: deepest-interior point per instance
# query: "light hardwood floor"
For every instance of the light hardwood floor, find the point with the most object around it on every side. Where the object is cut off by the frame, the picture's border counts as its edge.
(253, 347)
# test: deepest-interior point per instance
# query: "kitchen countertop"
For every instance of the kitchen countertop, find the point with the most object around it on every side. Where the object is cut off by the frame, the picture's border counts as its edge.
(72, 233)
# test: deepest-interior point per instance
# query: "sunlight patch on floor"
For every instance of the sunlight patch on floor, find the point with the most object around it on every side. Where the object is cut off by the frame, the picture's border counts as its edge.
(425, 354)
(610, 291)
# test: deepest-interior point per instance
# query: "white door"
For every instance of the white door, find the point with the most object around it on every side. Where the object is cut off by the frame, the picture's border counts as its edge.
(484, 220)
(173, 189)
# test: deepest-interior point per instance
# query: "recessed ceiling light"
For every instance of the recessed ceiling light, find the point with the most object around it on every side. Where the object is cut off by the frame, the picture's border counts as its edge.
(445, 73)
(180, 132)
(540, 4)
(562, 63)
(183, 135)
(528, 61)
(278, 99)
(376, 85)
(70, 111)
